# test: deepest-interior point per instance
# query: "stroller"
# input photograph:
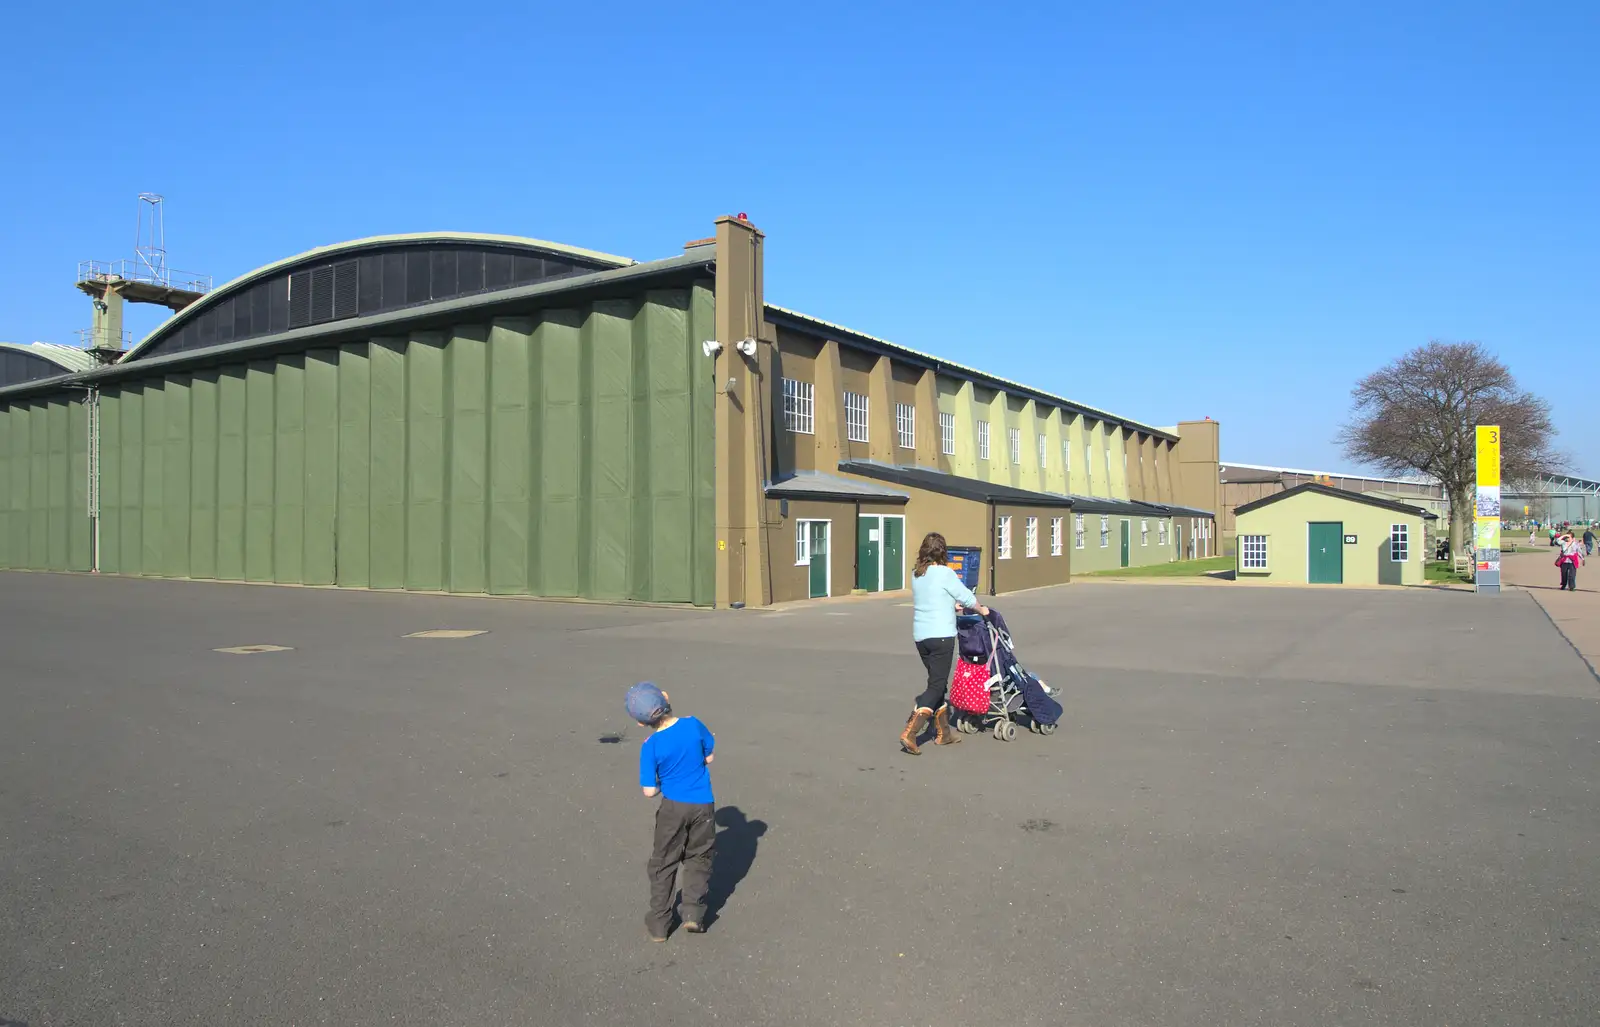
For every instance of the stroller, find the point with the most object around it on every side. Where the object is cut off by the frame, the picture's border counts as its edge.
(984, 645)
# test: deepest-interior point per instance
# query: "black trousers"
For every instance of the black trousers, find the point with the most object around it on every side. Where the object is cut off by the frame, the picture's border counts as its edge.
(939, 657)
(1569, 576)
(686, 835)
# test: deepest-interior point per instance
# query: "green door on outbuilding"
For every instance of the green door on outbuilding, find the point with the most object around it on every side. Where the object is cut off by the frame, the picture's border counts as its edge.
(868, 551)
(1127, 532)
(1325, 552)
(880, 552)
(818, 548)
(894, 554)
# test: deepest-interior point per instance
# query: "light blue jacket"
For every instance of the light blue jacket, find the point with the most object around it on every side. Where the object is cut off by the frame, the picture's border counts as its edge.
(933, 599)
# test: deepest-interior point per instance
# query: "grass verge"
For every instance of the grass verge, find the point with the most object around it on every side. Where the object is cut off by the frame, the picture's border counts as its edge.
(1180, 569)
(1441, 571)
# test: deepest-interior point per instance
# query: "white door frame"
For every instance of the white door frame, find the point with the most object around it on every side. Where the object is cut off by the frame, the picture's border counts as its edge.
(811, 554)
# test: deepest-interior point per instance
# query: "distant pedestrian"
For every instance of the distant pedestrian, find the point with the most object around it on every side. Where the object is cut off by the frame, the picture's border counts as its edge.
(1569, 561)
(1588, 541)
(675, 763)
(936, 593)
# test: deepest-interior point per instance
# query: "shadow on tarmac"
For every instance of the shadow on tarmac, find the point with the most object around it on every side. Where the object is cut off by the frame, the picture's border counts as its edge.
(736, 854)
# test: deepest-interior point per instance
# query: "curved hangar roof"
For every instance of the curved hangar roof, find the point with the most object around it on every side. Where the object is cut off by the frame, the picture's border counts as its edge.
(26, 362)
(366, 276)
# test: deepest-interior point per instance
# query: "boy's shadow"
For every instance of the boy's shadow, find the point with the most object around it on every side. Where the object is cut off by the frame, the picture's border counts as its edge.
(735, 854)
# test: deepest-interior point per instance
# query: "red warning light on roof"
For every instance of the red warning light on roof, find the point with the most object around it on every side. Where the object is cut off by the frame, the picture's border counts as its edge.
(743, 216)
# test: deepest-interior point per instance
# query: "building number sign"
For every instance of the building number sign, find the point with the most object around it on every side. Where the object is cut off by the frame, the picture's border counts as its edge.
(1349, 540)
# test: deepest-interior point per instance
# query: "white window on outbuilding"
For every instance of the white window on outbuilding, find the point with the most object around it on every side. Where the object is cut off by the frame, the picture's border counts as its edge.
(1399, 543)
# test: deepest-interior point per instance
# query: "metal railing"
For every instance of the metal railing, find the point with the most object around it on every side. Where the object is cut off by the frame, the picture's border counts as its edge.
(142, 273)
(104, 338)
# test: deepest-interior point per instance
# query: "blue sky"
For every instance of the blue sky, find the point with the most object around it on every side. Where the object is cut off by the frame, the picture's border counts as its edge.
(1158, 210)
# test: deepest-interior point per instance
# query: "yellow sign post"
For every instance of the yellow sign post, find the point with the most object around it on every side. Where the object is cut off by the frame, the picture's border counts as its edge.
(1486, 511)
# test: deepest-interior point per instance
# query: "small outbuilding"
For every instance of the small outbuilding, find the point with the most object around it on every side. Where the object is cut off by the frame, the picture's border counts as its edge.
(1320, 535)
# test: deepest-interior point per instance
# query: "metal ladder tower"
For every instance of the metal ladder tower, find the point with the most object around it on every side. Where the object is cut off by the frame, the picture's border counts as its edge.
(144, 279)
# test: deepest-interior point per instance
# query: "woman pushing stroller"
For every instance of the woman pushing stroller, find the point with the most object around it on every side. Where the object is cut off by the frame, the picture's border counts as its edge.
(936, 594)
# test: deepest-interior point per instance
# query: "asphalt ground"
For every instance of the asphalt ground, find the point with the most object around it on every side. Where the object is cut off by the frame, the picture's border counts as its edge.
(1265, 806)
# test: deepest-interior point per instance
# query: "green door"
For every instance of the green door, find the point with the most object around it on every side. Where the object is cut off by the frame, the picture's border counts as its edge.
(1325, 552)
(819, 559)
(894, 553)
(1125, 534)
(868, 545)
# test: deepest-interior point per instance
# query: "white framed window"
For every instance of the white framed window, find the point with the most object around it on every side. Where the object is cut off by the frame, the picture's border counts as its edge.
(1042, 443)
(983, 440)
(802, 543)
(1032, 538)
(1088, 460)
(1066, 458)
(1108, 460)
(1003, 539)
(1144, 533)
(1253, 552)
(1105, 532)
(855, 417)
(1055, 535)
(1015, 435)
(1399, 543)
(1077, 531)
(799, 407)
(905, 425)
(1161, 532)
(947, 433)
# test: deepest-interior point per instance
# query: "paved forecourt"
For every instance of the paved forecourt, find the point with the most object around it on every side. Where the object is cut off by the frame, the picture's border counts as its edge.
(1266, 806)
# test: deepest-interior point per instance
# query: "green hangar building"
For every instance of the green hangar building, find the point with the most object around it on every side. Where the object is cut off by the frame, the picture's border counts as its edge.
(452, 412)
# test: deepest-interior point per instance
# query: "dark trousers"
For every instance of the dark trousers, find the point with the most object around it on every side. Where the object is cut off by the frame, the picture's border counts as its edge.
(686, 834)
(939, 657)
(1569, 576)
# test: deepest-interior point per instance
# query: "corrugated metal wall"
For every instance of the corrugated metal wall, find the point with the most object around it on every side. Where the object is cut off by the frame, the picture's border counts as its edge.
(44, 464)
(564, 454)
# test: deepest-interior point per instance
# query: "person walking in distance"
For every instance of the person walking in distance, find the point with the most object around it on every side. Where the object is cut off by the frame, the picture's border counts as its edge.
(675, 763)
(1588, 541)
(936, 594)
(1569, 561)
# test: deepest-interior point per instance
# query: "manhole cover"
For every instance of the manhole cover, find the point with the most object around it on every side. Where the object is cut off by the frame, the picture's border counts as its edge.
(445, 633)
(245, 650)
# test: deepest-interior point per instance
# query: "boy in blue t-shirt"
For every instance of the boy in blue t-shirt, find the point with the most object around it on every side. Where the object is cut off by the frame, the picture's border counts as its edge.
(674, 762)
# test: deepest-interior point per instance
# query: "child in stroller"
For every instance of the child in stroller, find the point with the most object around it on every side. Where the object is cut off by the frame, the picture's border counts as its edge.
(985, 650)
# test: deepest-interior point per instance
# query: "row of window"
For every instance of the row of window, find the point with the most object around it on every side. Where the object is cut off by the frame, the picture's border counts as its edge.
(1030, 538)
(799, 416)
(1253, 548)
(1003, 541)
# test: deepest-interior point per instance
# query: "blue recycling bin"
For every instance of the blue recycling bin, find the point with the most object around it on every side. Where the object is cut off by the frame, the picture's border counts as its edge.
(966, 561)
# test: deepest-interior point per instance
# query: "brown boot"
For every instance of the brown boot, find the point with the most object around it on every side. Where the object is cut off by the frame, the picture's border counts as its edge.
(943, 735)
(914, 725)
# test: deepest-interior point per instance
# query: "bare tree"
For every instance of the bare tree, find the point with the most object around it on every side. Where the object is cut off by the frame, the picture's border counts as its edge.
(1421, 412)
